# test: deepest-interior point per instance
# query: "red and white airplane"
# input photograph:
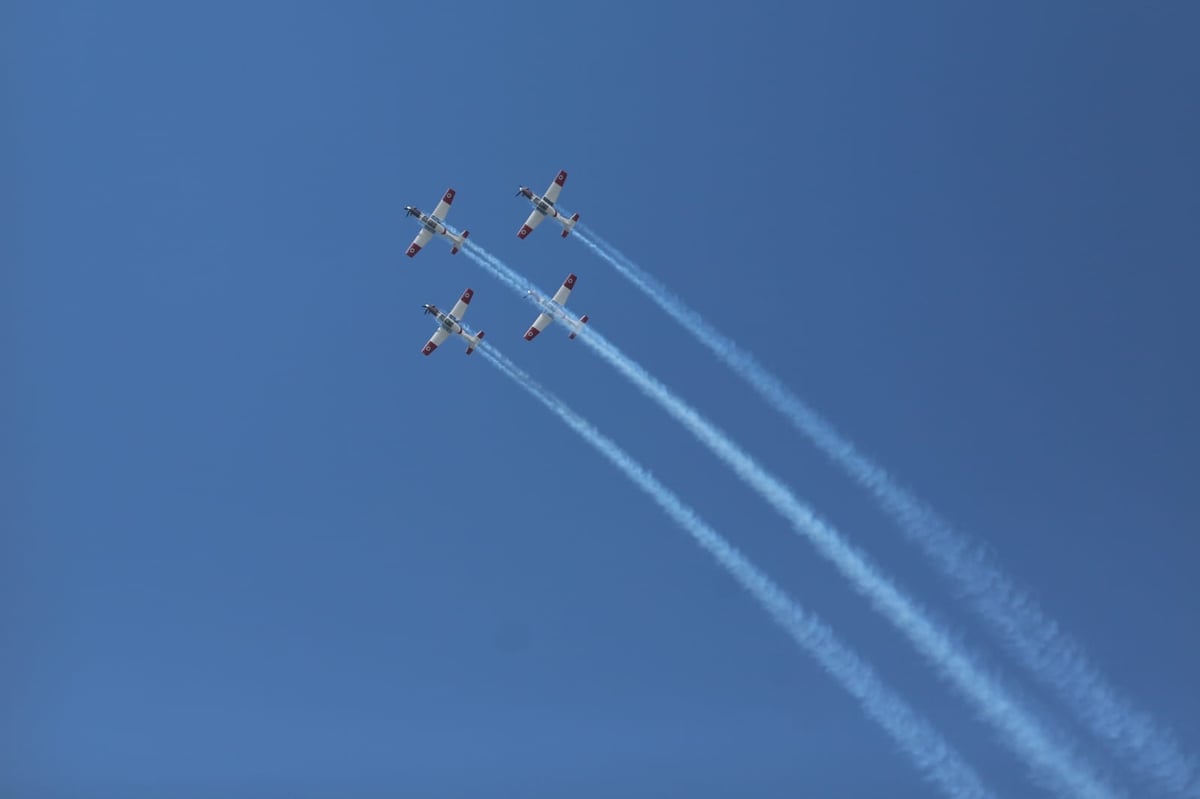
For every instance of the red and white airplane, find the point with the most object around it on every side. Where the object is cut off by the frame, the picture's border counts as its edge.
(553, 309)
(450, 324)
(434, 224)
(543, 206)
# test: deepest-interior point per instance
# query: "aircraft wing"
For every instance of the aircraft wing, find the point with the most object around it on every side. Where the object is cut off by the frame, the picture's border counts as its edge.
(564, 290)
(535, 219)
(555, 187)
(420, 241)
(538, 325)
(460, 308)
(435, 340)
(443, 207)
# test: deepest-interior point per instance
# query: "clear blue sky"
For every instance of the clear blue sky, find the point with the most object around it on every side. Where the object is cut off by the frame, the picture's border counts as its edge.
(254, 544)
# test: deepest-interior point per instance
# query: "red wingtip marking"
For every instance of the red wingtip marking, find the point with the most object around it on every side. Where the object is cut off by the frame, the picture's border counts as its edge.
(583, 320)
(480, 336)
(467, 295)
(524, 231)
(449, 196)
(565, 232)
(468, 233)
(413, 250)
(529, 334)
(430, 347)
(570, 281)
(562, 177)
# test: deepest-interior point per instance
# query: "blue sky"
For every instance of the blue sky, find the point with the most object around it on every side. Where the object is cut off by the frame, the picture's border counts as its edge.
(254, 543)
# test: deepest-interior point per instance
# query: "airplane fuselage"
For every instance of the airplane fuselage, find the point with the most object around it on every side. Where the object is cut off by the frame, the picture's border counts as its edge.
(448, 322)
(544, 206)
(430, 223)
(559, 312)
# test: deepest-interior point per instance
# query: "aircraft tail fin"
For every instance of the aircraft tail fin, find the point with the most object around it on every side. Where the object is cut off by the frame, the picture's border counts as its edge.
(473, 342)
(459, 241)
(583, 320)
(570, 223)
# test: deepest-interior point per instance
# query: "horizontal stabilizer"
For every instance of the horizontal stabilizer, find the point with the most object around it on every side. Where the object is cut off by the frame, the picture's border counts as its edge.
(569, 224)
(583, 320)
(474, 342)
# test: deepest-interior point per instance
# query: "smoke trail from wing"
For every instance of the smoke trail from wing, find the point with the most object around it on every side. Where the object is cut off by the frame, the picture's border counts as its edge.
(933, 756)
(1036, 640)
(1045, 751)
(1039, 746)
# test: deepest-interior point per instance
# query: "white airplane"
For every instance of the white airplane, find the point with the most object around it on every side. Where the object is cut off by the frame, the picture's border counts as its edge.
(544, 207)
(435, 224)
(553, 308)
(449, 324)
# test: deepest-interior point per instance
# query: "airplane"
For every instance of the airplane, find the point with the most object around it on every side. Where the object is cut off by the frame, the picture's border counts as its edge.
(554, 308)
(449, 324)
(544, 207)
(434, 224)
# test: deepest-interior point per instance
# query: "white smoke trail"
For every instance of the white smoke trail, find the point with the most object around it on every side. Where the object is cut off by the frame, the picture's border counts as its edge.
(935, 759)
(1036, 640)
(1041, 748)
(1045, 751)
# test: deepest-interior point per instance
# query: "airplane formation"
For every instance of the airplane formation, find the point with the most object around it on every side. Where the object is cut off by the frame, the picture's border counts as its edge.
(1005, 605)
(450, 324)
